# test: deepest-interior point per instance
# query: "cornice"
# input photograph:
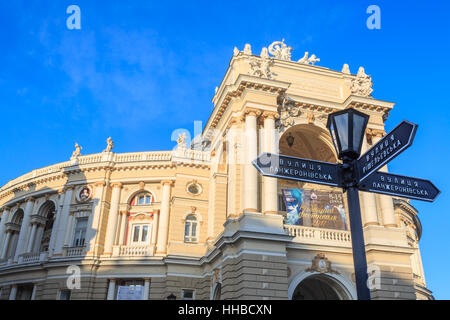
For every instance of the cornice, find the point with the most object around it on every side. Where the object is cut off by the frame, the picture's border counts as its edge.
(233, 91)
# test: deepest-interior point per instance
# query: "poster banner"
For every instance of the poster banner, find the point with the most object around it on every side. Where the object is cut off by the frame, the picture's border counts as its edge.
(312, 208)
(130, 292)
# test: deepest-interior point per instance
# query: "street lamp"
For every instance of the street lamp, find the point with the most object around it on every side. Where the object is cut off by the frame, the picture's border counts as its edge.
(347, 128)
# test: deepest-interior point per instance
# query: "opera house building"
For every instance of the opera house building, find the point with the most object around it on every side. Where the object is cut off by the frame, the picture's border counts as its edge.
(199, 221)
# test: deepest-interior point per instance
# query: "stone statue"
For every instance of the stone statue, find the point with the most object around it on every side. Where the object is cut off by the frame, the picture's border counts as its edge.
(280, 50)
(181, 140)
(362, 84)
(288, 113)
(248, 49)
(110, 145)
(345, 69)
(311, 60)
(77, 151)
(261, 67)
(235, 51)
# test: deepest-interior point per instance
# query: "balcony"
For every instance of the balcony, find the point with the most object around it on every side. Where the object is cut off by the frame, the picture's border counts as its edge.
(133, 251)
(74, 251)
(319, 236)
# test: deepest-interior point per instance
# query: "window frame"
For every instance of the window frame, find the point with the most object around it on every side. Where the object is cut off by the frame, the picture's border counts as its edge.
(188, 233)
(81, 231)
(183, 291)
(140, 233)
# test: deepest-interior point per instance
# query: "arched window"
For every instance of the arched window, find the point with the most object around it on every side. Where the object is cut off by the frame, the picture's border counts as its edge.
(190, 229)
(142, 199)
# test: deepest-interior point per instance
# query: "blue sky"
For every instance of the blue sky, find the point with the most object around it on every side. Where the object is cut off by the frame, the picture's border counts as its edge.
(137, 70)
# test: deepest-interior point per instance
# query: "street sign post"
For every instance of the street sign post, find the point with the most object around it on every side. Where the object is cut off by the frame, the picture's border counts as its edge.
(390, 146)
(401, 186)
(292, 168)
(353, 175)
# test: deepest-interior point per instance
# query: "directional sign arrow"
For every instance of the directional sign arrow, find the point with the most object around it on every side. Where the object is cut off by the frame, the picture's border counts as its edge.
(390, 146)
(401, 186)
(292, 168)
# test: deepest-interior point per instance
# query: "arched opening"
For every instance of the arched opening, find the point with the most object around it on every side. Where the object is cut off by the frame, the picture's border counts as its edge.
(320, 287)
(48, 212)
(309, 142)
(12, 236)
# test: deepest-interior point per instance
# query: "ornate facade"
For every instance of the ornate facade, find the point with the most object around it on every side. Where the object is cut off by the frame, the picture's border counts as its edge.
(201, 223)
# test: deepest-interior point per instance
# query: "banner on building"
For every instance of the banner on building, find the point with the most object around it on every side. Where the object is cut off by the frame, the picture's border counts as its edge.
(130, 292)
(312, 208)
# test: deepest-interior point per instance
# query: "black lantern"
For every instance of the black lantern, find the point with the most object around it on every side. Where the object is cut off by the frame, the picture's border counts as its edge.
(347, 129)
(290, 140)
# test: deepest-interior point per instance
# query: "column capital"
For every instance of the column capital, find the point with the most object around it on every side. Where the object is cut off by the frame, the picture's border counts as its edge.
(4, 208)
(100, 184)
(30, 199)
(116, 185)
(234, 121)
(67, 188)
(250, 112)
(169, 182)
(374, 133)
(269, 115)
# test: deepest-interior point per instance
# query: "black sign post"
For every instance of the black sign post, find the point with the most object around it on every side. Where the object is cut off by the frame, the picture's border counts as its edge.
(354, 175)
(390, 146)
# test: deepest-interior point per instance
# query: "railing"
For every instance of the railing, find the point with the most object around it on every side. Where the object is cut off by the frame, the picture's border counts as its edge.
(133, 251)
(74, 251)
(176, 155)
(30, 257)
(317, 235)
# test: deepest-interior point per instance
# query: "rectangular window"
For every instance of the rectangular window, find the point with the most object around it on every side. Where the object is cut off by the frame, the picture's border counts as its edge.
(136, 233)
(187, 294)
(79, 236)
(144, 233)
(64, 294)
(140, 234)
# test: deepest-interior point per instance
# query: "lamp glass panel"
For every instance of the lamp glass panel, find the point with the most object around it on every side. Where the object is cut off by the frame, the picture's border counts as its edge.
(358, 128)
(333, 136)
(342, 130)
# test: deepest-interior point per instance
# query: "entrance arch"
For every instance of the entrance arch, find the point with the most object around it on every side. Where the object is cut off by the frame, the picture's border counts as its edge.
(318, 286)
(307, 141)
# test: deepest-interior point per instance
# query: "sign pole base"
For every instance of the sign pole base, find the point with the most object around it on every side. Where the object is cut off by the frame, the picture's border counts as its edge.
(358, 246)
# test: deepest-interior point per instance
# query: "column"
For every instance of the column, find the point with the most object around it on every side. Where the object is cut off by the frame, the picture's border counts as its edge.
(123, 226)
(13, 293)
(163, 228)
(6, 244)
(146, 288)
(5, 217)
(270, 185)
(64, 219)
(368, 202)
(155, 227)
(69, 229)
(250, 174)
(31, 239)
(111, 289)
(54, 235)
(92, 245)
(112, 218)
(21, 245)
(386, 204)
(33, 294)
